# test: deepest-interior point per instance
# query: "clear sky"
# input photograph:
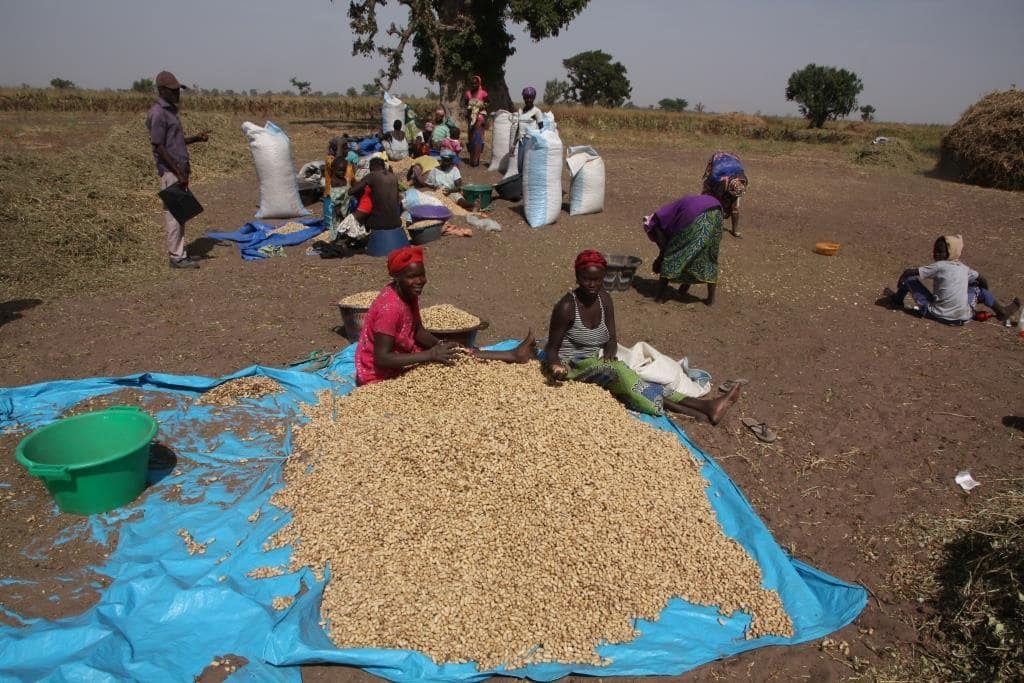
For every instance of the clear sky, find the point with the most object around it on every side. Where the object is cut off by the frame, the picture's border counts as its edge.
(920, 60)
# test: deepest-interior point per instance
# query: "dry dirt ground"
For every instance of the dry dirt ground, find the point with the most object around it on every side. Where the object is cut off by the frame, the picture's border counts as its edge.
(876, 410)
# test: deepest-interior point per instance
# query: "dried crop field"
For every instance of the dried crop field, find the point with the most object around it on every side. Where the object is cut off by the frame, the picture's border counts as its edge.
(876, 411)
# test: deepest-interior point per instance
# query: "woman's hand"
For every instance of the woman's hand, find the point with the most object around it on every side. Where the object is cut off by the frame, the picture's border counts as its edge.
(443, 352)
(558, 371)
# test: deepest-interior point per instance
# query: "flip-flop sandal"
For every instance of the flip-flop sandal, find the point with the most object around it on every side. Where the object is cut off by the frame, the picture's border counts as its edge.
(759, 429)
(727, 385)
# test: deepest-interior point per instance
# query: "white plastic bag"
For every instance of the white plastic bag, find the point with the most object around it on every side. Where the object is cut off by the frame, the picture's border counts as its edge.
(586, 190)
(654, 366)
(272, 154)
(501, 139)
(542, 175)
(393, 110)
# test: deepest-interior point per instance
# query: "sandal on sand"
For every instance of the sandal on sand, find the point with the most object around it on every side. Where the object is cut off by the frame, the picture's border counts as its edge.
(760, 430)
(727, 385)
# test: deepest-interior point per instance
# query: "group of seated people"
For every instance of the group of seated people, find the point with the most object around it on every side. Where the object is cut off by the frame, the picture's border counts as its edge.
(581, 343)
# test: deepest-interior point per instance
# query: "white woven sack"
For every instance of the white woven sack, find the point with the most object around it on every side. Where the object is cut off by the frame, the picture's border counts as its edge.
(392, 110)
(272, 154)
(542, 176)
(501, 137)
(586, 189)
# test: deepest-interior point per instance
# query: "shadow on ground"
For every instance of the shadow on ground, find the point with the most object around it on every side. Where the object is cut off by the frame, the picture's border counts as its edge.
(11, 310)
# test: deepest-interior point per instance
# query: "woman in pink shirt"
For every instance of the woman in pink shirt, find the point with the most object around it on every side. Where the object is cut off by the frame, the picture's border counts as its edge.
(476, 100)
(393, 338)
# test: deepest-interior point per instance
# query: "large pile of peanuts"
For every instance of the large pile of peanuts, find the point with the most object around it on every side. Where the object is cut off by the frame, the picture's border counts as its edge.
(445, 317)
(476, 513)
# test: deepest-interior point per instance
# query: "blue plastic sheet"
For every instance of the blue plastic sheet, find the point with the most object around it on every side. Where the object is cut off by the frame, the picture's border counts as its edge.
(167, 614)
(254, 236)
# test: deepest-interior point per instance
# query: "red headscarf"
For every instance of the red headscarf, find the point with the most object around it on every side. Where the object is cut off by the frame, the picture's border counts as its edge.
(402, 258)
(590, 257)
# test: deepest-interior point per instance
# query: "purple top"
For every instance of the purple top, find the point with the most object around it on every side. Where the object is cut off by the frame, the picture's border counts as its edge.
(165, 129)
(673, 218)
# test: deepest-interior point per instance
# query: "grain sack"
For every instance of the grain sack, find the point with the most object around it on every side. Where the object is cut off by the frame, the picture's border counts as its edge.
(542, 175)
(392, 110)
(586, 190)
(272, 154)
(501, 139)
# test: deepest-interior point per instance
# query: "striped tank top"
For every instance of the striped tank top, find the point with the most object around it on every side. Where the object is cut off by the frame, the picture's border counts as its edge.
(581, 341)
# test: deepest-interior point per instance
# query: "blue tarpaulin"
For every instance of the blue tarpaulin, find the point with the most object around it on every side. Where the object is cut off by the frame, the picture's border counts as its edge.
(254, 236)
(166, 614)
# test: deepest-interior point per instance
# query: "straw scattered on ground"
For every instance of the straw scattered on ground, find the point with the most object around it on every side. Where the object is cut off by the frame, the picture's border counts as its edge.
(476, 513)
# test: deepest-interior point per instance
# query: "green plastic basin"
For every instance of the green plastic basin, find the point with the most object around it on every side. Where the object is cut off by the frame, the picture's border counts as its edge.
(475, 192)
(93, 462)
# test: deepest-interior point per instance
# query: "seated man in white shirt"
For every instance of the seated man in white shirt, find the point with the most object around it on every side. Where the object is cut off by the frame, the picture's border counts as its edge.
(447, 178)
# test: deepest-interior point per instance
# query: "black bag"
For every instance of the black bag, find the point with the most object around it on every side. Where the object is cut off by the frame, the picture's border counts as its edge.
(182, 204)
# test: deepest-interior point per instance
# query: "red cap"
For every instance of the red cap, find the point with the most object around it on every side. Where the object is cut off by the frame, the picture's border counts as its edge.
(590, 258)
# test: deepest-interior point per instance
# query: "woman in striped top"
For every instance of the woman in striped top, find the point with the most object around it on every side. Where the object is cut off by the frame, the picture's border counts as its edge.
(582, 346)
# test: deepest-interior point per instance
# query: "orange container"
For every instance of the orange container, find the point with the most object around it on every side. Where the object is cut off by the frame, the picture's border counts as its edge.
(826, 248)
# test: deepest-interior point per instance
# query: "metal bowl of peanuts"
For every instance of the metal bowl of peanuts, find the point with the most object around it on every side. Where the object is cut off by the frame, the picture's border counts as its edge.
(475, 513)
(447, 318)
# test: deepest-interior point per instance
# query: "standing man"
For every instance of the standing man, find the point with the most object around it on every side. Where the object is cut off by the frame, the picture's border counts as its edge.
(170, 152)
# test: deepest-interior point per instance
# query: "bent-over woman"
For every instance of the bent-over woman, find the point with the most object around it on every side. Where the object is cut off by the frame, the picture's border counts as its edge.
(725, 180)
(688, 233)
(582, 346)
(393, 338)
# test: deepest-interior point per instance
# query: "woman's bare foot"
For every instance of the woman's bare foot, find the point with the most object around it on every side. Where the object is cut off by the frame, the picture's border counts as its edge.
(721, 405)
(527, 349)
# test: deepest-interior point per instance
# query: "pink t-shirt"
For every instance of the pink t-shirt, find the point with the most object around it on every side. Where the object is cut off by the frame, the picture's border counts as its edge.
(479, 94)
(388, 315)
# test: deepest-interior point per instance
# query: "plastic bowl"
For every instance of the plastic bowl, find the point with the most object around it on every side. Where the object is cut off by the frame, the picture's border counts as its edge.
(826, 248)
(93, 462)
(472, 193)
(383, 242)
(424, 212)
(425, 231)
(511, 188)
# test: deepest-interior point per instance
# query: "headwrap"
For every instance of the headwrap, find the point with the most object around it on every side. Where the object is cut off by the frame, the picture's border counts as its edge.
(402, 258)
(955, 246)
(447, 154)
(529, 91)
(476, 79)
(736, 186)
(590, 257)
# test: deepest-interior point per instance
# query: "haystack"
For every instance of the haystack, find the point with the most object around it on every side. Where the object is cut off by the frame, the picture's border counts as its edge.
(986, 146)
(888, 152)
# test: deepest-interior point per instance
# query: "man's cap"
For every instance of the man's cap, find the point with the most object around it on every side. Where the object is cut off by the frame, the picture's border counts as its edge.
(165, 79)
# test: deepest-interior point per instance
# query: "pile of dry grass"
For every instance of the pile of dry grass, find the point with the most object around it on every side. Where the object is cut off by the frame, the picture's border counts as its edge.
(87, 217)
(891, 153)
(986, 146)
(973, 580)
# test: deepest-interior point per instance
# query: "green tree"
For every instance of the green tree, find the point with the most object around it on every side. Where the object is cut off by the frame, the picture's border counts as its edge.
(301, 86)
(555, 91)
(143, 85)
(823, 92)
(61, 83)
(595, 79)
(351, 92)
(370, 89)
(673, 104)
(867, 113)
(454, 39)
